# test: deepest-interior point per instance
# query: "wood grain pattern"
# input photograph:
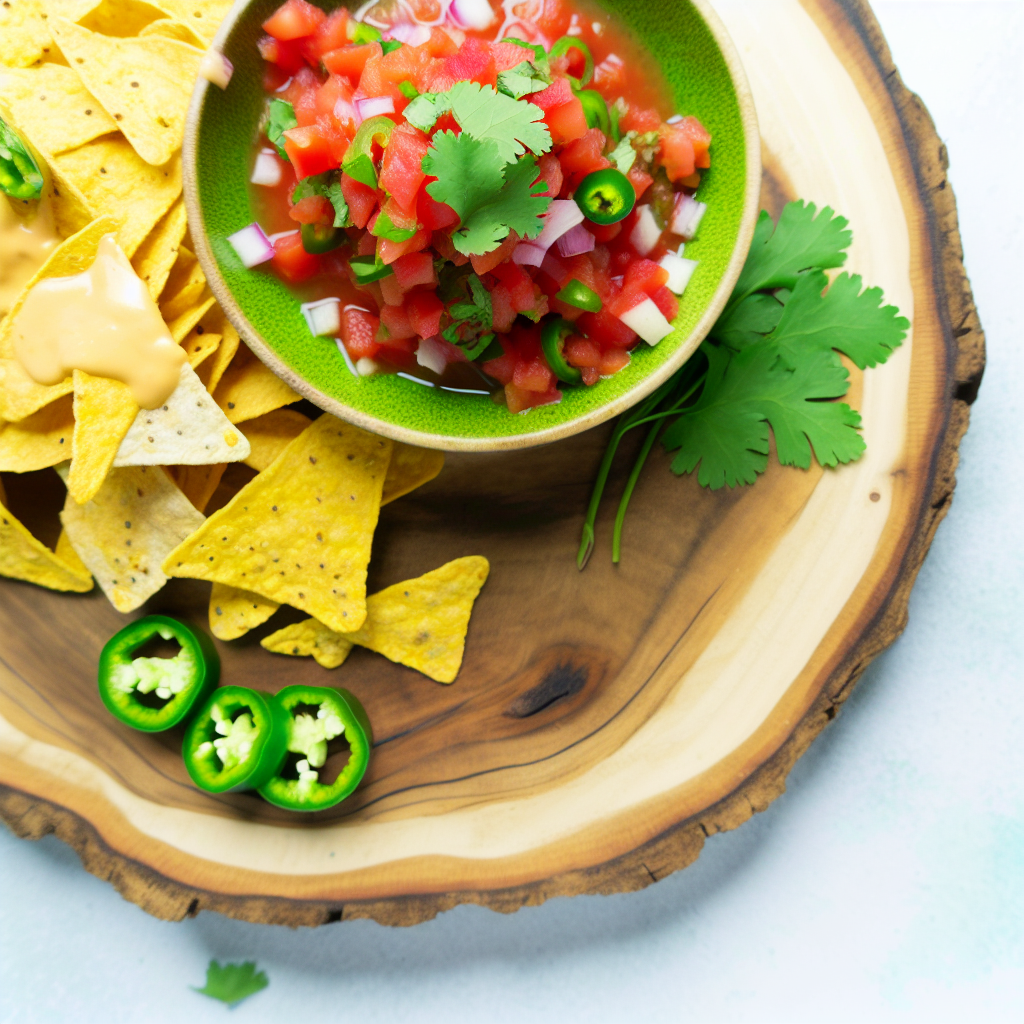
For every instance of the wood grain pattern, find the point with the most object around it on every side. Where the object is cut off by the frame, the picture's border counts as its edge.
(584, 747)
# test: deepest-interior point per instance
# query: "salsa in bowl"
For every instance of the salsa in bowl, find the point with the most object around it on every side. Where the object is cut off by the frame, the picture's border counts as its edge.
(468, 224)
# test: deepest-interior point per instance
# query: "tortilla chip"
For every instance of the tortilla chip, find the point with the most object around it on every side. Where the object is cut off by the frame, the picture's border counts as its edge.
(310, 638)
(169, 28)
(410, 467)
(112, 17)
(69, 556)
(213, 371)
(126, 531)
(40, 440)
(198, 483)
(182, 326)
(249, 389)
(184, 287)
(71, 210)
(116, 182)
(52, 106)
(187, 430)
(158, 253)
(300, 532)
(202, 16)
(21, 396)
(73, 10)
(104, 412)
(233, 612)
(199, 348)
(271, 433)
(24, 36)
(23, 557)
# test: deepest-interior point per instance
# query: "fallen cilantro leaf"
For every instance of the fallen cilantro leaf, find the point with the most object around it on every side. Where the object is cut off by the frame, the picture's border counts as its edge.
(624, 155)
(489, 199)
(747, 322)
(424, 111)
(233, 982)
(800, 241)
(843, 318)
(513, 125)
(280, 118)
(522, 80)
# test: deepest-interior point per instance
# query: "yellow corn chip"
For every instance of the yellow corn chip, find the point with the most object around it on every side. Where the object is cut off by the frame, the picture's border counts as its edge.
(126, 531)
(182, 327)
(300, 532)
(67, 554)
(144, 84)
(116, 182)
(23, 557)
(155, 257)
(169, 28)
(73, 10)
(410, 467)
(112, 17)
(249, 389)
(21, 396)
(212, 372)
(104, 412)
(198, 483)
(71, 210)
(310, 638)
(40, 440)
(50, 104)
(184, 288)
(200, 347)
(202, 16)
(24, 36)
(272, 432)
(233, 612)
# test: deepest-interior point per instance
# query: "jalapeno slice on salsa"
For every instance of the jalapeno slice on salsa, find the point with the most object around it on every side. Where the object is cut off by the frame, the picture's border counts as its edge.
(552, 340)
(154, 694)
(567, 43)
(318, 716)
(318, 238)
(606, 196)
(237, 741)
(20, 176)
(358, 160)
(576, 293)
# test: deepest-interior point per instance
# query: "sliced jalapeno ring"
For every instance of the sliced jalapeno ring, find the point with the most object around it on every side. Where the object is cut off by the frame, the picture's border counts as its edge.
(552, 340)
(567, 43)
(606, 196)
(358, 160)
(595, 109)
(317, 238)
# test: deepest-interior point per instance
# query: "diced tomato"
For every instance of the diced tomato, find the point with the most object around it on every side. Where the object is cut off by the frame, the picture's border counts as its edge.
(640, 180)
(551, 173)
(591, 375)
(520, 399)
(415, 269)
(401, 174)
(603, 232)
(367, 244)
(361, 200)
(358, 330)
(534, 375)
(613, 360)
(640, 119)
(667, 303)
(391, 251)
(445, 248)
(606, 330)
(413, 64)
(512, 275)
(273, 76)
(432, 214)
(645, 276)
(567, 122)
(564, 310)
(440, 44)
(557, 93)
(304, 80)
(486, 263)
(286, 55)
(337, 87)
(610, 77)
(304, 106)
(311, 210)
(701, 139)
(523, 294)
(309, 150)
(503, 313)
(293, 20)
(508, 55)
(390, 288)
(472, 63)
(291, 261)
(584, 155)
(330, 35)
(675, 151)
(452, 353)
(350, 60)
(581, 352)
(502, 368)
(396, 320)
(425, 310)
(552, 17)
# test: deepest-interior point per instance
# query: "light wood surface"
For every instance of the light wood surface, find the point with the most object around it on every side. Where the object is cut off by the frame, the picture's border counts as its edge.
(603, 723)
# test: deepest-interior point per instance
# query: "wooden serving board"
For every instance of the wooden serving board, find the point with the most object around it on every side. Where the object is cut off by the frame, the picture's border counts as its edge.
(604, 723)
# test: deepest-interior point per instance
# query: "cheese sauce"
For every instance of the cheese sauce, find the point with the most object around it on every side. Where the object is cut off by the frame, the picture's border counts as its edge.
(25, 245)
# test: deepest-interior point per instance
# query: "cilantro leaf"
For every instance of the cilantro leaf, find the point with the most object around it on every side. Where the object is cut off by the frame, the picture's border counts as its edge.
(280, 118)
(843, 318)
(726, 432)
(522, 80)
(342, 218)
(384, 227)
(540, 55)
(426, 108)
(489, 199)
(480, 311)
(800, 241)
(329, 186)
(514, 126)
(233, 982)
(747, 322)
(624, 155)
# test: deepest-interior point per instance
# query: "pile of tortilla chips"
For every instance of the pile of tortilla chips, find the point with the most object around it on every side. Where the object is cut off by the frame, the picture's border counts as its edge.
(100, 89)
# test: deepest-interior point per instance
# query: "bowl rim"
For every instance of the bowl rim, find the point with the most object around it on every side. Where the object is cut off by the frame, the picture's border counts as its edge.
(445, 442)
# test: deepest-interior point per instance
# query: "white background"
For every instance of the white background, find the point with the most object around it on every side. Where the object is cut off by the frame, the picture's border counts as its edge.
(886, 885)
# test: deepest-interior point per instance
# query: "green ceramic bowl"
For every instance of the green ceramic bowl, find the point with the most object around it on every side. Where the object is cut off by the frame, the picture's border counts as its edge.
(701, 67)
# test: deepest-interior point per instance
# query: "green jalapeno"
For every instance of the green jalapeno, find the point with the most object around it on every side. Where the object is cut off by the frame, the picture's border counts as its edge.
(364, 34)
(552, 340)
(237, 741)
(154, 694)
(358, 160)
(317, 238)
(577, 294)
(369, 268)
(567, 43)
(20, 176)
(606, 196)
(316, 717)
(595, 109)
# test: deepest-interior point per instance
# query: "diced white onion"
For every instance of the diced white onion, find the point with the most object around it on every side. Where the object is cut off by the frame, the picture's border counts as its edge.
(680, 270)
(366, 367)
(475, 14)
(648, 321)
(252, 245)
(528, 255)
(267, 170)
(348, 359)
(374, 105)
(216, 68)
(562, 215)
(431, 355)
(575, 241)
(686, 216)
(646, 232)
(323, 317)
(674, 119)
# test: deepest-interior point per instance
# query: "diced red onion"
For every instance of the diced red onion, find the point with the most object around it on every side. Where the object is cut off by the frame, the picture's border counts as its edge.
(648, 321)
(252, 245)
(646, 232)
(680, 270)
(411, 35)
(374, 105)
(575, 241)
(562, 215)
(528, 255)
(474, 14)
(322, 316)
(216, 68)
(267, 169)
(344, 111)
(686, 216)
(431, 355)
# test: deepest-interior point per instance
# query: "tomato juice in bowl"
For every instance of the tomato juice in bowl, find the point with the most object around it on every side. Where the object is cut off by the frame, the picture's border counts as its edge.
(476, 254)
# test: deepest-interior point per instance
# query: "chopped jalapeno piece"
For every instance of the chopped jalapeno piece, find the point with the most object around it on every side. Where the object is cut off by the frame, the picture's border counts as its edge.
(358, 160)
(552, 340)
(20, 176)
(369, 268)
(317, 238)
(606, 196)
(577, 294)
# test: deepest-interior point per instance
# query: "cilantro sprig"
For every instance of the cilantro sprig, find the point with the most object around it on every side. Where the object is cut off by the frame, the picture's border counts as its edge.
(233, 982)
(770, 366)
(327, 185)
(280, 118)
